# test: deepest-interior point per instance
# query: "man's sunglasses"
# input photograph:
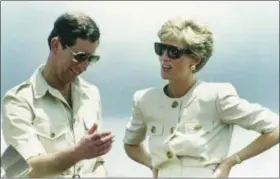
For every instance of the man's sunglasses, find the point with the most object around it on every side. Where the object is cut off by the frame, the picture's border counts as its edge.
(173, 52)
(83, 56)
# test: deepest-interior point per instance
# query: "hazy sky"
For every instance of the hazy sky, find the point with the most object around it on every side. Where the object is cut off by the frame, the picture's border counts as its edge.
(246, 54)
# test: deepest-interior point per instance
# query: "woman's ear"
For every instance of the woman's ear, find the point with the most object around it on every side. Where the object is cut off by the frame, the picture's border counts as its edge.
(197, 60)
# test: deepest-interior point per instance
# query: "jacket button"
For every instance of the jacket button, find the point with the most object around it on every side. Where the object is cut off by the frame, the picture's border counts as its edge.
(169, 154)
(171, 130)
(174, 104)
(52, 135)
(197, 126)
(153, 129)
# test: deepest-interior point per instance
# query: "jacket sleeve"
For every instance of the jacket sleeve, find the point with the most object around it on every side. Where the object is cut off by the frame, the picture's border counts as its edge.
(234, 110)
(136, 128)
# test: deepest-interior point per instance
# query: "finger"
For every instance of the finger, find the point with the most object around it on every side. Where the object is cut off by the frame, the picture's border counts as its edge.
(105, 150)
(104, 140)
(92, 129)
(103, 147)
(217, 172)
(97, 136)
(100, 150)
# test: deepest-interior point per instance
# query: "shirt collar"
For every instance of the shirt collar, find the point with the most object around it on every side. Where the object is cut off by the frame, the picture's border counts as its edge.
(40, 85)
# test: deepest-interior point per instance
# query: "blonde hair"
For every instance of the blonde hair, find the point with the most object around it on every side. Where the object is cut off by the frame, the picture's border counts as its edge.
(195, 37)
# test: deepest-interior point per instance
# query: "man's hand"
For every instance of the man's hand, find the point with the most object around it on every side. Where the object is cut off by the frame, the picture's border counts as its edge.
(94, 144)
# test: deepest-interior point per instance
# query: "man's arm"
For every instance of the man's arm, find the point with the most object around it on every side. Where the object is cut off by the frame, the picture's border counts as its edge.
(19, 132)
(52, 164)
(90, 146)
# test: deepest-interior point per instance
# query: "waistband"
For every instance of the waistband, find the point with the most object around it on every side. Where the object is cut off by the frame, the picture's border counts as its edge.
(184, 161)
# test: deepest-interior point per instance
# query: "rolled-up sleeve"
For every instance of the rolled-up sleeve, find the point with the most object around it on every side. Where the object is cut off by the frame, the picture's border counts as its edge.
(17, 127)
(234, 110)
(136, 128)
(100, 127)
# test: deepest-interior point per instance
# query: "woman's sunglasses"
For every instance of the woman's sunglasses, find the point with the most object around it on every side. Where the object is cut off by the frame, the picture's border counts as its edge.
(83, 56)
(173, 52)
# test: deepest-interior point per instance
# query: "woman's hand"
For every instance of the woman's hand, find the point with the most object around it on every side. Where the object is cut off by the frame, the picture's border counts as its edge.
(155, 172)
(223, 170)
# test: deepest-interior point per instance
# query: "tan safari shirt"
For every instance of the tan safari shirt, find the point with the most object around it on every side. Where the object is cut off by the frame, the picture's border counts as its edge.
(36, 118)
(195, 129)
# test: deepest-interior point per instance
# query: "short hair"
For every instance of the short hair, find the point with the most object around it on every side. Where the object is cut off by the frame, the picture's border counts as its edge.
(195, 37)
(70, 26)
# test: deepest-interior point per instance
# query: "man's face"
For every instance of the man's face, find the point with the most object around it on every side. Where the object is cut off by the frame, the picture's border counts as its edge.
(67, 65)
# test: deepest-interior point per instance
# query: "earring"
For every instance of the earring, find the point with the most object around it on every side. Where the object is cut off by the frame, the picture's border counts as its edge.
(193, 67)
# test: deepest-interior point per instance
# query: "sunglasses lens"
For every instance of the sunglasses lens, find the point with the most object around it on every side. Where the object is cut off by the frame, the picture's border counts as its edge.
(94, 58)
(173, 53)
(81, 57)
(159, 49)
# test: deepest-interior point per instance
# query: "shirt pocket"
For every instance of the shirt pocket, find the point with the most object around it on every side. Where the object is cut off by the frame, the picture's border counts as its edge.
(192, 139)
(53, 136)
(155, 135)
(198, 127)
(155, 129)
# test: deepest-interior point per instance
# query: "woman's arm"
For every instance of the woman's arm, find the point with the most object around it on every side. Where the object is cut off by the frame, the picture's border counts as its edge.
(258, 146)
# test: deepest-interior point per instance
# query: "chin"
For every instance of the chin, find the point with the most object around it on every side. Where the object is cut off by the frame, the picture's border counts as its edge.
(165, 76)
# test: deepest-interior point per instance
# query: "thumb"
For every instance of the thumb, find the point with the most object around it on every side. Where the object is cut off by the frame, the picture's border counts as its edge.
(217, 173)
(92, 129)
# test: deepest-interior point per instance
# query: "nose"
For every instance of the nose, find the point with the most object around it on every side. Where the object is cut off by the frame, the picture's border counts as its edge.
(83, 65)
(164, 56)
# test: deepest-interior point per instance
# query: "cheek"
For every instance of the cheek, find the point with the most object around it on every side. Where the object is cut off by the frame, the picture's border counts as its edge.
(181, 66)
(66, 61)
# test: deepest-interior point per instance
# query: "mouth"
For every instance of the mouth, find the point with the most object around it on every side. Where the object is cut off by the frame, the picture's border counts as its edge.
(166, 67)
(74, 71)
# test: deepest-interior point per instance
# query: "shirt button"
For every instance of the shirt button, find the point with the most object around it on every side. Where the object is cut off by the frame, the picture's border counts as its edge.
(79, 169)
(169, 154)
(52, 135)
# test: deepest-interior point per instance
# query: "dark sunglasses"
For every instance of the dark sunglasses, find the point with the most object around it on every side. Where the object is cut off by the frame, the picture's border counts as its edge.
(83, 56)
(173, 52)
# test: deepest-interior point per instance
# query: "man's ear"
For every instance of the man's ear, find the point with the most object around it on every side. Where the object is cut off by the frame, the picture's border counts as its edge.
(55, 45)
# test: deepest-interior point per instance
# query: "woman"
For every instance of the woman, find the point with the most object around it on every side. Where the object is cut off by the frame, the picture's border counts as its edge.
(190, 122)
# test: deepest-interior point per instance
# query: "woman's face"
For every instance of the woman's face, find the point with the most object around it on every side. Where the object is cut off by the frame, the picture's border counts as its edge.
(175, 62)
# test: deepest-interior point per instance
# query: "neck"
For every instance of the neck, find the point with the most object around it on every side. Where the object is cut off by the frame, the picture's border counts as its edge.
(52, 79)
(178, 88)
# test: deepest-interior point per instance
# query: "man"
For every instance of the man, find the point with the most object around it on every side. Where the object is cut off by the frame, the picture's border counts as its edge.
(53, 118)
